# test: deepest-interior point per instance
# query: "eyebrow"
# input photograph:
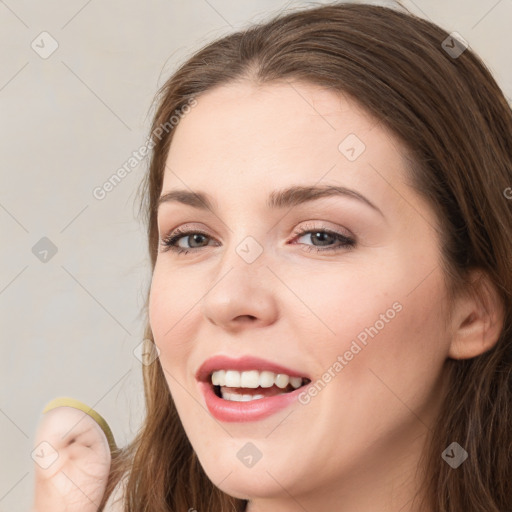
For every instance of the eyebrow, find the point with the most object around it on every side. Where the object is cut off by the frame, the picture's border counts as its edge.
(288, 197)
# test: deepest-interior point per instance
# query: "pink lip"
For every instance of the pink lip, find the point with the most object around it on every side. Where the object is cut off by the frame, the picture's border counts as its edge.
(224, 410)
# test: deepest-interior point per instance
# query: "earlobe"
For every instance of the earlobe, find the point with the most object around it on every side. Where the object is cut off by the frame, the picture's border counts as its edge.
(478, 319)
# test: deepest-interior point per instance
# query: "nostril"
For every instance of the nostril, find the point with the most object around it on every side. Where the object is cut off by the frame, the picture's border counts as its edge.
(246, 318)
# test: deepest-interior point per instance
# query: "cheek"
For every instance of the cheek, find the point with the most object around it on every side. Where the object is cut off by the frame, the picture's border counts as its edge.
(379, 328)
(398, 365)
(169, 312)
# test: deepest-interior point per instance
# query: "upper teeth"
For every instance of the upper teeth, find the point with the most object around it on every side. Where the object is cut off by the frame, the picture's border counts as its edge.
(253, 379)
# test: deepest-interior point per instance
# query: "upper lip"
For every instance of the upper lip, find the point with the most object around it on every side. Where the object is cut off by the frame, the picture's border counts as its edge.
(245, 363)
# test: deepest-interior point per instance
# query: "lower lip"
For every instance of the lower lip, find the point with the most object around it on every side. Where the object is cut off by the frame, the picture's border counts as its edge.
(226, 410)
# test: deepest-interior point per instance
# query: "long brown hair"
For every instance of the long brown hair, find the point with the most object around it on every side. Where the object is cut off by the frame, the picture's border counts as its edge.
(455, 123)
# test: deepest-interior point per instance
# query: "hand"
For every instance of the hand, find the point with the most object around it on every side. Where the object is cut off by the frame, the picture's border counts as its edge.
(72, 461)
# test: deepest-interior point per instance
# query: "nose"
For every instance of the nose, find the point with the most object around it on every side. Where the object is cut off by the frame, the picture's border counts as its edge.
(242, 295)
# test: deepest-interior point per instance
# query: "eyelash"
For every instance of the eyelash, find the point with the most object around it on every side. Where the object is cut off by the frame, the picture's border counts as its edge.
(347, 243)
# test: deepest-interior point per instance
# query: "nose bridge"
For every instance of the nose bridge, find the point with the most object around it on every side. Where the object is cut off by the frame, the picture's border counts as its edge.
(245, 258)
(241, 287)
(247, 237)
(250, 249)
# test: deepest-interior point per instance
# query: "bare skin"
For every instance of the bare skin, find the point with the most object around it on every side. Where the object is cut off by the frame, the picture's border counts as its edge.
(72, 463)
(356, 445)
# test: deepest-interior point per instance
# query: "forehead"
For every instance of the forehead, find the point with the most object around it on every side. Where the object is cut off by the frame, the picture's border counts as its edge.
(249, 137)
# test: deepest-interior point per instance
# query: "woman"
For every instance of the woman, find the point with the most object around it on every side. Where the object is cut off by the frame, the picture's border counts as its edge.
(329, 230)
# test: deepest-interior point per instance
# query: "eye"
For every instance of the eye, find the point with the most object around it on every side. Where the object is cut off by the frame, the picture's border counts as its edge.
(322, 235)
(169, 242)
(325, 236)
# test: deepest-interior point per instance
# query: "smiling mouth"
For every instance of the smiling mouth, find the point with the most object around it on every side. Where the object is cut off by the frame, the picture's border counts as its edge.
(235, 386)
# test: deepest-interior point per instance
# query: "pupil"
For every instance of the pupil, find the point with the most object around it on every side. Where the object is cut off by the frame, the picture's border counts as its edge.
(322, 235)
(194, 237)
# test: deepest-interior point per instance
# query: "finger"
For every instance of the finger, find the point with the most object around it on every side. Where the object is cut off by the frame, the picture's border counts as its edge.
(68, 433)
(76, 404)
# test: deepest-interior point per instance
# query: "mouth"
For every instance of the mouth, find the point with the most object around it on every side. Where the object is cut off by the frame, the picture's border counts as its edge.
(246, 386)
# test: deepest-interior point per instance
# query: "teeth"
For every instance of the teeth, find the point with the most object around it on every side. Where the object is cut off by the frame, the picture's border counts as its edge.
(296, 382)
(218, 377)
(282, 380)
(267, 379)
(232, 379)
(235, 397)
(250, 379)
(253, 379)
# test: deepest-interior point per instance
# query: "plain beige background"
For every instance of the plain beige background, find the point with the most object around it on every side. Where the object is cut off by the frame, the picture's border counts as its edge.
(72, 320)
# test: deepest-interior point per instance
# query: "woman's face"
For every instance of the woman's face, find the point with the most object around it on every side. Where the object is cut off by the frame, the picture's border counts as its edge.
(361, 319)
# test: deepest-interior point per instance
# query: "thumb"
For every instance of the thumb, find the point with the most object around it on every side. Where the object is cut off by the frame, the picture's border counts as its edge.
(73, 452)
(73, 402)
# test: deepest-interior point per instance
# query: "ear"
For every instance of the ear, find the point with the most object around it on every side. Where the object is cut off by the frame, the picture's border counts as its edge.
(478, 318)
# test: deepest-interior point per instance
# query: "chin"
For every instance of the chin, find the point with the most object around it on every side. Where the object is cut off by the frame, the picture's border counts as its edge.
(264, 479)
(250, 485)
